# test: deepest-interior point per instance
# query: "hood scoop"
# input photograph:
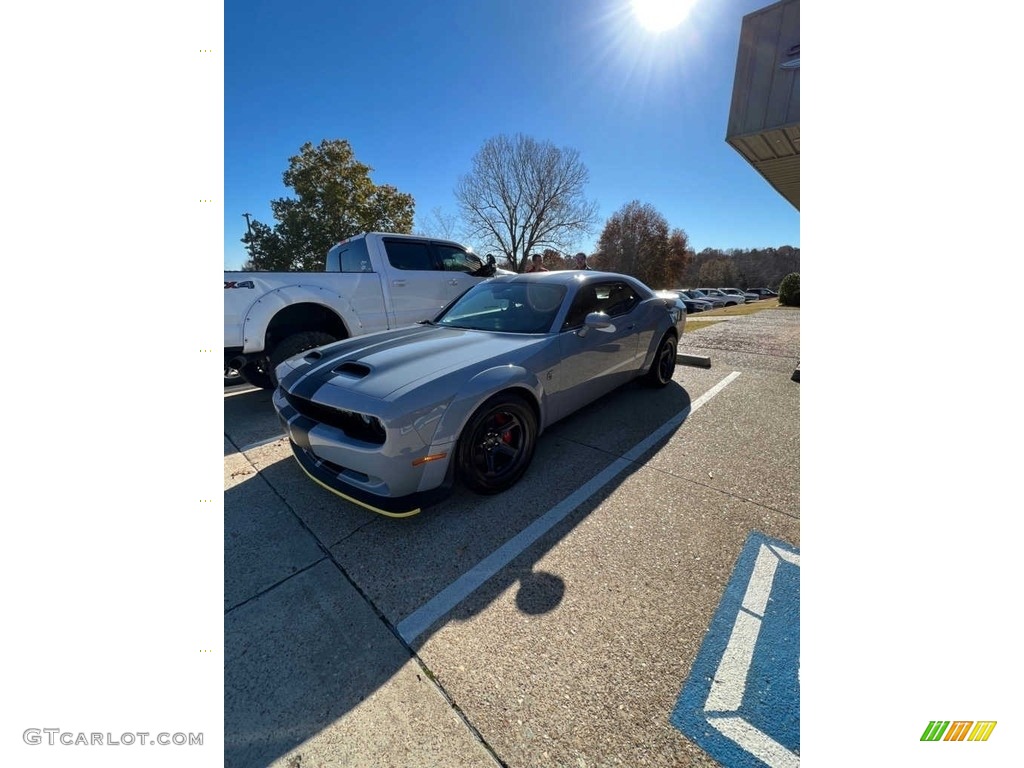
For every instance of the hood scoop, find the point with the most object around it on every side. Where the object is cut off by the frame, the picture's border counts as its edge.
(355, 370)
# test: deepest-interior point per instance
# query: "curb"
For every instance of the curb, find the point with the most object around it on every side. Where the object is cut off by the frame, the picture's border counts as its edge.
(695, 360)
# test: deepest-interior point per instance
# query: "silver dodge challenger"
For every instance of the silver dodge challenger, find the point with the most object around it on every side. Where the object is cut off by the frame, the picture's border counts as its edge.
(391, 420)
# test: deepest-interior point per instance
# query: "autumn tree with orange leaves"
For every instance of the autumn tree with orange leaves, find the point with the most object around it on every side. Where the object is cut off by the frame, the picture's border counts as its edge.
(637, 241)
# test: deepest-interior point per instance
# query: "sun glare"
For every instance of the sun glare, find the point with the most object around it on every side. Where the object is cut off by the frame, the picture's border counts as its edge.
(660, 15)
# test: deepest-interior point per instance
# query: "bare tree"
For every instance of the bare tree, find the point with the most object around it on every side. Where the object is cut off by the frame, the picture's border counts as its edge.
(439, 224)
(524, 194)
(636, 241)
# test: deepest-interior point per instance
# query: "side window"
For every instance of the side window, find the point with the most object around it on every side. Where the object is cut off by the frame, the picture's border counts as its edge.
(409, 255)
(456, 260)
(354, 258)
(621, 300)
(613, 299)
(586, 301)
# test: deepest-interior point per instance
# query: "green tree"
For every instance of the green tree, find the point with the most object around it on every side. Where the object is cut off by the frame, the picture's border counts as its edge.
(524, 195)
(789, 290)
(335, 199)
(636, 241)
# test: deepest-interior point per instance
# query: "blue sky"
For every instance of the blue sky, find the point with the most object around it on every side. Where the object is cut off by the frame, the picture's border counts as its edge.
(416, 88)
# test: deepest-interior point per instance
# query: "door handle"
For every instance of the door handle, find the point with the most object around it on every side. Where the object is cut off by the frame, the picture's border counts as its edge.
(453, 282)
(398, 283)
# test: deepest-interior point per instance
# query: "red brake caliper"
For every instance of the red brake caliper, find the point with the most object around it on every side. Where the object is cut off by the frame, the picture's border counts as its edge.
(500, 420)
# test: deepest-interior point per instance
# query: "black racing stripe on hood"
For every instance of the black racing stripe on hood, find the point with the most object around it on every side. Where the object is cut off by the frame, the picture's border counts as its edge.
(306, 380)
(289, 381)
(315, 371)
(312, 367)
(308, 387)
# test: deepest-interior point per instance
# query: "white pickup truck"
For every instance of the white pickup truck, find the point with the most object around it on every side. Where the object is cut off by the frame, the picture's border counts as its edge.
(371, 282)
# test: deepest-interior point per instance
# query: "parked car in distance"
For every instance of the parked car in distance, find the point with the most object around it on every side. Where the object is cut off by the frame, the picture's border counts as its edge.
(729, 299)
(747, 296)
(675, 304)
(715, 301)
(765, 293)
(693, 305)
(391, 420)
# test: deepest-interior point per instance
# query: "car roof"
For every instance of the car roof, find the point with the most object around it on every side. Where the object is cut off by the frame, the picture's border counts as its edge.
(566, 277)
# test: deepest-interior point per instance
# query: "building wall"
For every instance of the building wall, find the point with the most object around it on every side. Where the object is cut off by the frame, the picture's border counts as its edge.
(764, 117)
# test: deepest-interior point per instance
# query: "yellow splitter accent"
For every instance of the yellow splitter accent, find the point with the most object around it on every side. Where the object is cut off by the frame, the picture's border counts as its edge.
(362, 504)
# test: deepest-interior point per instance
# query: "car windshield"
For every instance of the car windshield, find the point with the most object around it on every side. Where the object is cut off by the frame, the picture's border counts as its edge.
(511, 307)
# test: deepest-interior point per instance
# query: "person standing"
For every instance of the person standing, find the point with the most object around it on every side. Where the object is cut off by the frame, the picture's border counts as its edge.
(537, 264)
(581, 260)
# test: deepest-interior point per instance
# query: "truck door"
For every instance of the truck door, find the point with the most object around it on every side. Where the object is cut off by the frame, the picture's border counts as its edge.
(363, 288)
(457, 265)
(418, 289)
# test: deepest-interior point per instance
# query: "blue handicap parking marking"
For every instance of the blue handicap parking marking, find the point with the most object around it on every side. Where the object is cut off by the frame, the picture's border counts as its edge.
(741, 702)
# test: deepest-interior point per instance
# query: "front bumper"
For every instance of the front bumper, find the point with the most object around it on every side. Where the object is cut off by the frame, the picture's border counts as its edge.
(328, 477)
(390, 479)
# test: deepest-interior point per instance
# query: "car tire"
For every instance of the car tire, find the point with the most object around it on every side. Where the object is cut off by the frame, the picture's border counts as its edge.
(497, 444)
(664, 363)
(254, 373)
(293, 345)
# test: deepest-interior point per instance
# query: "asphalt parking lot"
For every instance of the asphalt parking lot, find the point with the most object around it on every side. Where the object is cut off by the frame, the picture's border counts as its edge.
(633, 601)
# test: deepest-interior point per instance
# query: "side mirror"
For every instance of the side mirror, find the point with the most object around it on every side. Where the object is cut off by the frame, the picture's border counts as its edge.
(486, 268)
(599, 321)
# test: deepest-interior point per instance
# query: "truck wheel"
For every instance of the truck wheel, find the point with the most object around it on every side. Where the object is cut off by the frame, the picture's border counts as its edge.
(254, 373)
(293, 345)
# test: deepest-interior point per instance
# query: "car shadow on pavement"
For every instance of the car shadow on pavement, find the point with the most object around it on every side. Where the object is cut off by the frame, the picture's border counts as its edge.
(316, 588)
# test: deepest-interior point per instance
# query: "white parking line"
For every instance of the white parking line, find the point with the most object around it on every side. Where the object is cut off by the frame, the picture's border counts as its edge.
(241, 392)
(729, 685)
(417, 622)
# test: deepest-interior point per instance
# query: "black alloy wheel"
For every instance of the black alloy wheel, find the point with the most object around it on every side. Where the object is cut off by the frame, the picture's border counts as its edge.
(497, 444)
(664, 364)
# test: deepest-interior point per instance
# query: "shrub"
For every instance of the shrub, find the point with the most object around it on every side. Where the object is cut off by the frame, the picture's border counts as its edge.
(789, 290)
